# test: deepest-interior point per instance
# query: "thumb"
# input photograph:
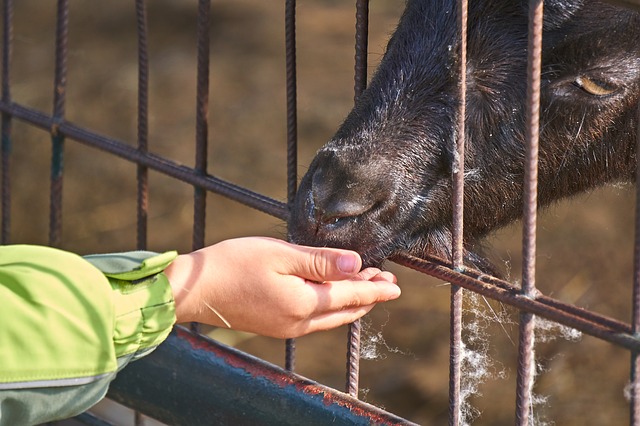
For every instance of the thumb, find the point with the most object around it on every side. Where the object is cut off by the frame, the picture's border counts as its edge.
(325, 264)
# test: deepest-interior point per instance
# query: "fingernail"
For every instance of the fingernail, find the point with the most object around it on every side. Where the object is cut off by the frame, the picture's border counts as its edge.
(348, 263)
(395, 293)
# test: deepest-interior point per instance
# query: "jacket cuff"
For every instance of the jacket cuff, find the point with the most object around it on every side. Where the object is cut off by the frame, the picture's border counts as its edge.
(142, 299)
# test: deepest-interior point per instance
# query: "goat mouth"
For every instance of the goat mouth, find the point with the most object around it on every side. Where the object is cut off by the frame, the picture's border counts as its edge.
(376, 256)
(376, 234)
(423, 246)
(374, 243)
(373, 252)
(350, 233)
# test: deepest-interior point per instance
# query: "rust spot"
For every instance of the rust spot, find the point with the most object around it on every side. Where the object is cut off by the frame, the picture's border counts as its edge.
(260, 369)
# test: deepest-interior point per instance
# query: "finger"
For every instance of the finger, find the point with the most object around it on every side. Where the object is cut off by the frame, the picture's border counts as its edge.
(367, 274)
(342, 295)
(375, 274)
(331, 320)
(385, 276)
(324, 264)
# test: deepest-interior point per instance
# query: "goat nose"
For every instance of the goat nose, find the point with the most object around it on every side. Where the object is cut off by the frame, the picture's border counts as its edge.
(335, 197)
(342, 190)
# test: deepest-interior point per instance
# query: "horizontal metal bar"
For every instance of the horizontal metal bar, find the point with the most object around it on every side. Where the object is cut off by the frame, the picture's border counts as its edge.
(157, 163)
(588, 322)
(191, 380)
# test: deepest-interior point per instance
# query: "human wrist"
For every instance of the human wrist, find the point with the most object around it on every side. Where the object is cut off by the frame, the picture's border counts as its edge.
(183, 280)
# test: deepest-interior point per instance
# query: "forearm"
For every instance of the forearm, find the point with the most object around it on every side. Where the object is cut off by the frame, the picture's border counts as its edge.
(184, 275)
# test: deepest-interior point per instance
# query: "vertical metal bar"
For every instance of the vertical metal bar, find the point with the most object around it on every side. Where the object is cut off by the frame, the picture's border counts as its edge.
(635, 356)
(142, 172)
(57, 139)
(202, 124)
(143, 122)
(362, 47)
(457, 178)
(5, 153)
(292, 103)
(526, 361)
(360, 84)
(292, 134)
(457, 169)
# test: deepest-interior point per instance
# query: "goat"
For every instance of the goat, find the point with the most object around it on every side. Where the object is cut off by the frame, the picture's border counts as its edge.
(382, 184)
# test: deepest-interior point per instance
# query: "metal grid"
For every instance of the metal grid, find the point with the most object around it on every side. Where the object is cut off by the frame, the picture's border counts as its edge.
(525, 298)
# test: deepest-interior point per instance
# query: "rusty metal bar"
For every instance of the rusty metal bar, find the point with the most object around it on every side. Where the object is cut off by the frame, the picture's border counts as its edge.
(457, 168)
(57, 138)
(292, 134)
(142, 172)
(210, 383)
(202, 123)
(5, 149)
(457, 243)
(526, 361)
(585, 321)
(353, 358)
(362, 48)
(635, 354)
(292, 100)
(155, 162)
(202, 126)
(360, 84)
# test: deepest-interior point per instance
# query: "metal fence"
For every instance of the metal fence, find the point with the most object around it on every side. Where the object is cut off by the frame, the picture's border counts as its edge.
(187, 380)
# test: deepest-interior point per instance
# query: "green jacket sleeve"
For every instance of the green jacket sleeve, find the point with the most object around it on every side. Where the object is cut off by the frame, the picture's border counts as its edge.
(68, 324)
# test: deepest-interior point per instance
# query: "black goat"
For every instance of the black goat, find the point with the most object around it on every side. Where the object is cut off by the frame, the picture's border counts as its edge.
(383, 183)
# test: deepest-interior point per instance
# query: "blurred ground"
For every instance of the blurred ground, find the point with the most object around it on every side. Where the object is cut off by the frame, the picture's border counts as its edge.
(585, 244)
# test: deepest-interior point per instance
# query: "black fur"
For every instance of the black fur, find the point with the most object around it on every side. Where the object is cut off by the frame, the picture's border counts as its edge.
(383, 183)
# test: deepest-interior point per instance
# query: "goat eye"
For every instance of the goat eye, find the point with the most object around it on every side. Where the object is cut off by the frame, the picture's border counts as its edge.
(594, 87)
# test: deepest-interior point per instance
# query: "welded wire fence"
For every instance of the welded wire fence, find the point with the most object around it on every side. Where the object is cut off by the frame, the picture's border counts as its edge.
(525, 297)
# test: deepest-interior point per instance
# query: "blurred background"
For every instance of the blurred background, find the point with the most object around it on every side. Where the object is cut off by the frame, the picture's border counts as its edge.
(585, 244)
